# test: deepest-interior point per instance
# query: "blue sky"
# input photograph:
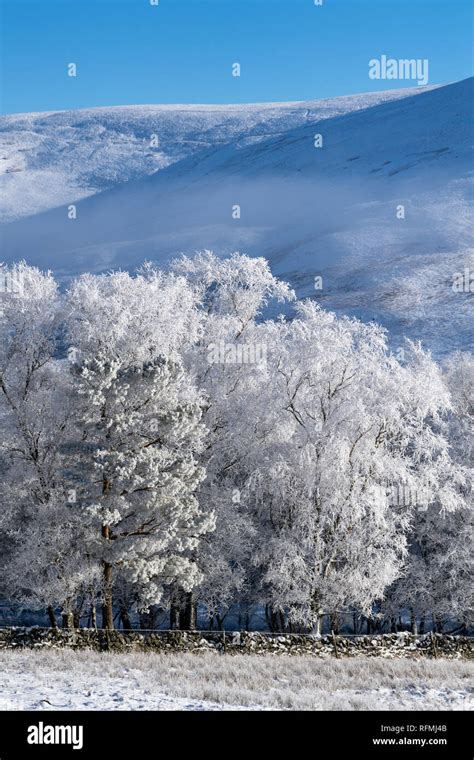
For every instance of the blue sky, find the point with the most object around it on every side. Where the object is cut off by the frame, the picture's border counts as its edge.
(182, 51)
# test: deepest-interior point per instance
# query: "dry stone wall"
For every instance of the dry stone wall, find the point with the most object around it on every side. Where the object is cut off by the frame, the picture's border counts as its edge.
(388, 645)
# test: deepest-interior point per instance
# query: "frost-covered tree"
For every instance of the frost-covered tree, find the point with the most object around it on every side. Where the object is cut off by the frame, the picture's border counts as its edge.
(229, 363)
(436, 585)
(341, 422)
(142, 430)
(166, 439)
(44, 564)
(459, 375)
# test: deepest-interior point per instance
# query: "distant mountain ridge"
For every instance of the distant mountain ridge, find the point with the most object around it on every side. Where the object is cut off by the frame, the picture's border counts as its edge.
(51, 158)
(382, 211)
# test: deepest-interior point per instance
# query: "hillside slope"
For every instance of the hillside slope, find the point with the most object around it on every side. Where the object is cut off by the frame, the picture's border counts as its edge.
(330, 211)
(47, 159)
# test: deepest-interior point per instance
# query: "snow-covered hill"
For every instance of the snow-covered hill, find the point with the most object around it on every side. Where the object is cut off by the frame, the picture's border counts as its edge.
(330, 211)
(48, 159)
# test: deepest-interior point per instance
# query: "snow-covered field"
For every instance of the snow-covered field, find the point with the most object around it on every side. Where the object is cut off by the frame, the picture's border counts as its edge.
(67, 680)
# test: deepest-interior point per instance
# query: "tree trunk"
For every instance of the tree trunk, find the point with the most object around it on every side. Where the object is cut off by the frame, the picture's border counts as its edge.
(273, 618)
(187, 616)
(267, 616)
(174, 615)
(318, 624)
(52, 617)
(422, 625)
(317, 610)
(413, 623)
(125, 619)
(282, 621)
(76, 619)
(93, 616)
(107, 606)
(148, 619)
(67, 620)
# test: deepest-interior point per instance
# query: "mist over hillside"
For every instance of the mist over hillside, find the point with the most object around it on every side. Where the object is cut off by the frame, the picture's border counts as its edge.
(377, 206)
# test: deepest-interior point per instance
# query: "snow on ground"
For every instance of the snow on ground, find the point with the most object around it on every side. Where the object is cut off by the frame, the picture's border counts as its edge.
(84, 680)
